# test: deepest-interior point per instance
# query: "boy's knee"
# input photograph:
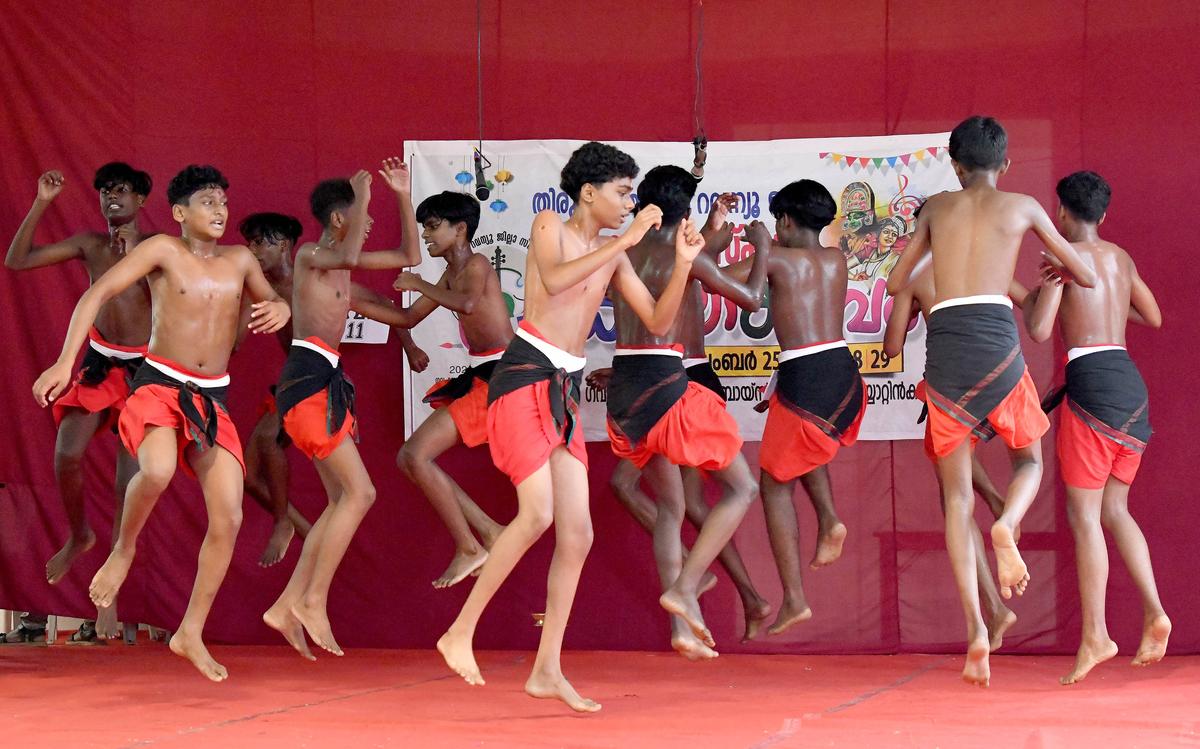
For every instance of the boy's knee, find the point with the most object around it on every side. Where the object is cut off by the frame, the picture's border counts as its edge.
(157, 476)
(408, 458)
(66, 462)
(226, 526)
(578, 539)
(363, 496)
(535, 521)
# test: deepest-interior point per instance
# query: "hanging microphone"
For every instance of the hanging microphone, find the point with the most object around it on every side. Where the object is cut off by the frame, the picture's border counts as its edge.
(481, 189)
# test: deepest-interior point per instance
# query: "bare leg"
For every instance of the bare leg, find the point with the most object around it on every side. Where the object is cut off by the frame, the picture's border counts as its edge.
(107, 624)
(738, 490)
(346, 469)
(1156, 627)
(535, 512)
(74, 433)
(954, 471)
(985, 488)
(267, 483)
(572, 541)
(220, 476)
(1026, 478)
(754, 606)
(1091, 561)
(831, 533)
(280, 617)
(996, 615)
(157, 457)
(664, 477)
(784, 532)
(417, 459)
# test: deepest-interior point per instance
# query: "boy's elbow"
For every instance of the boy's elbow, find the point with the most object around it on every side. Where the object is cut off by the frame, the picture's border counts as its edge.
(1040, 334)
(1155, 321)
(894, 286)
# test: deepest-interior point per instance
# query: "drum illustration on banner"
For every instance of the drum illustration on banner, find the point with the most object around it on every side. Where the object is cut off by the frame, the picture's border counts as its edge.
(878, 184)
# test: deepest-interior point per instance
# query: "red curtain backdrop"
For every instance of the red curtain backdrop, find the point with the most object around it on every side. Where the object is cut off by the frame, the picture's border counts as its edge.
(280, 95)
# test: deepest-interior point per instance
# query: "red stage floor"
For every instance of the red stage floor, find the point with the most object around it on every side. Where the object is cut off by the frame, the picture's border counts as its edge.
(143, 696)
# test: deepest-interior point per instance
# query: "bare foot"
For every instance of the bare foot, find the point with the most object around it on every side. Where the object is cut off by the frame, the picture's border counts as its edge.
(829, 546)
(192, 648)
(108, 580)
(277, 544)
(558, 688)
(460, 567)
(107, 626)
(1089, 656)
(1010, 568)
(998, 625)
(977, 670)
(316, 623)
(459, 656)
(686, 644)
(756, 615)
(789, 615)
(281, 619)
(61, 562)
(708, 581)
(1154, 641)
(687, 608)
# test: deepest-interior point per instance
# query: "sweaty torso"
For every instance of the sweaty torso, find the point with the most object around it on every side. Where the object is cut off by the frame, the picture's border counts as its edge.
(488, 326)
(653, 261)
(808, 295)
(566, 318)
(320, 301)
(976, 235)
(124, 319)
(1097, 316)
(691, 321)
(197, 304)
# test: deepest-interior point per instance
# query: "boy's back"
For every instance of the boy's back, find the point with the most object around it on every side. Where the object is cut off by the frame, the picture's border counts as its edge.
(1097, 316)
(808, 294)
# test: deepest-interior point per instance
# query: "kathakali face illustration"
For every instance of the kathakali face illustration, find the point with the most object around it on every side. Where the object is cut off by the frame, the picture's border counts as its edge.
(858, 206)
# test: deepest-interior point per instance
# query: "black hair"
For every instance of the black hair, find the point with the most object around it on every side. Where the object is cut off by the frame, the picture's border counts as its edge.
(671, 189)
(1085, 195)
(453, 207)
(806, 202)
(979, 143)
(118, 172)
(594, 164)
(271, 226)
(193, 179)
(328, 196)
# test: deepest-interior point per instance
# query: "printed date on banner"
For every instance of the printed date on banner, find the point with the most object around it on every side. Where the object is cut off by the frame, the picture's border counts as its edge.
(759, 361)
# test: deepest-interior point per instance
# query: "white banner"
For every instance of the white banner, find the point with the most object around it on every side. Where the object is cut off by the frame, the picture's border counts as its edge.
(878, 183)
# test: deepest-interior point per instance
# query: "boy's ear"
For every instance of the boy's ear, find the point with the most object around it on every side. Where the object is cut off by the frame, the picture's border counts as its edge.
(177, 213)
(1004, 167)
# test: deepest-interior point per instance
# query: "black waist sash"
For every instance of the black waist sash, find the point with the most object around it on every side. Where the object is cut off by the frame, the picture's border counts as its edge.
(642, 389)
(96, 366)
(459, 386)
(306, 373)
(1106, 391)
(824, 388)
(703, 374)
(210, 398)
(973, 360)
(522, 365)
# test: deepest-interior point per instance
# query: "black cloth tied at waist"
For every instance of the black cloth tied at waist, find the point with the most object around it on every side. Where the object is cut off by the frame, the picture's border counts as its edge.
(522, 365)
(1106, 390)
(643, 387)
(459, 386)
(703, 374)
(306, 373)
(973, 360)
(824, 388)
(96, 366)
(205, 424)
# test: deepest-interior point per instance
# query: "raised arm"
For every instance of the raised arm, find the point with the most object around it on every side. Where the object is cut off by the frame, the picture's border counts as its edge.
(1143, 306)
(378, 307)
(918, 247)
(22, 253)
(137, 264)
(463, 300)
(344, 255)
(748, 293)
(396, 175)
(557, 273)
(659, 316)
(1059, 247)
